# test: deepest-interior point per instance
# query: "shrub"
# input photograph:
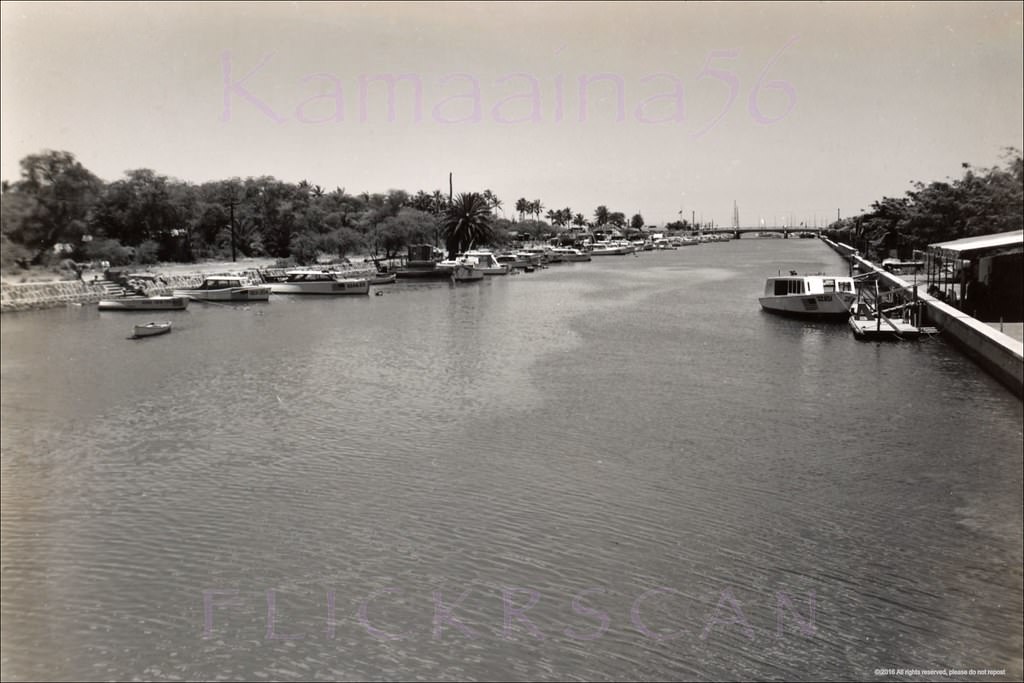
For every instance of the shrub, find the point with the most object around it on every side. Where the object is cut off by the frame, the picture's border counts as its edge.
(103, 249)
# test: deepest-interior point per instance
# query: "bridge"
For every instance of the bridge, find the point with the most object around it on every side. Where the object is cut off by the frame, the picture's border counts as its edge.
(785, 232)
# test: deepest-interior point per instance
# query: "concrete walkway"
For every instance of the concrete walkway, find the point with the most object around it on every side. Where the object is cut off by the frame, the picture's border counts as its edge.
(1015, 330)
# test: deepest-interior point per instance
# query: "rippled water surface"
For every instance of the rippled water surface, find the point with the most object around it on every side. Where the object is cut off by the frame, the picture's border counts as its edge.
(611, 470)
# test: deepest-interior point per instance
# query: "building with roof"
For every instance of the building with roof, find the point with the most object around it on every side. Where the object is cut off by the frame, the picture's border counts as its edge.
(982, 276)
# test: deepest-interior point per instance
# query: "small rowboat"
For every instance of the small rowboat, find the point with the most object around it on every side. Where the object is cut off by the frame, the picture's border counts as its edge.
(152, 329)
(383, 279)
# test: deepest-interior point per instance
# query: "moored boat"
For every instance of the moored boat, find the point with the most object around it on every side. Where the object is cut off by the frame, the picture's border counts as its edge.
(312, 281)
(482, 260)
(383, 279)
(152, 329)
(466, 272)
(423, 264)
(570, 254)
(145, 303)
(226, 288)
(810, 296)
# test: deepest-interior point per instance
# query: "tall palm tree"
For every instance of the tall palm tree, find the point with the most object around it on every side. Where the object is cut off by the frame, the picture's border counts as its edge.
(601, 215)
(523, 207)
(467, 222)
(537, 208)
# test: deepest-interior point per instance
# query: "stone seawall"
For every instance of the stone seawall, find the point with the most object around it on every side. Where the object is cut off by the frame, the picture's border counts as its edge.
(35, 295)
(31, 295)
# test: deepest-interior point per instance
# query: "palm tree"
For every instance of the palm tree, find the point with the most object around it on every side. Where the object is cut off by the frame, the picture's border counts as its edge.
(466, 222)
(601, 215)
(523, 207)
(537, 208)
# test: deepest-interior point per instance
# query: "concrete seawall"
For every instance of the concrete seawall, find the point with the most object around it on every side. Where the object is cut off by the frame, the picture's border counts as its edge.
(999, 354)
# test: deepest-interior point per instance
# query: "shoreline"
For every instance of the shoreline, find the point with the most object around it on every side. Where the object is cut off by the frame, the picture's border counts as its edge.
(161, 279)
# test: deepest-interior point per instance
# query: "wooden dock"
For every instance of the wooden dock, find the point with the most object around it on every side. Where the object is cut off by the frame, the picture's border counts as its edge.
(881, 328)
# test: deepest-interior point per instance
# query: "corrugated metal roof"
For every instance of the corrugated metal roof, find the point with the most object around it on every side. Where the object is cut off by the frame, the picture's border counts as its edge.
(981, 242)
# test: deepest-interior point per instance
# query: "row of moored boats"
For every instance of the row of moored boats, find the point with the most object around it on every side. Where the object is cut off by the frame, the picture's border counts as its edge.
(424, 262)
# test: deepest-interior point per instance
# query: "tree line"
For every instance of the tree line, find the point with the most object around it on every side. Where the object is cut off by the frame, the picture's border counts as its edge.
(981, 202)
(59, 209)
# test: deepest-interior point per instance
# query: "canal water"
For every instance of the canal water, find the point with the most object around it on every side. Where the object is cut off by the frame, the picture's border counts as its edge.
(617, 470)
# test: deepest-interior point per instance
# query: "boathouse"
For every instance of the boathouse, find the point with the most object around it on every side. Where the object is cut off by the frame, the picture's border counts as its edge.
(981, 276)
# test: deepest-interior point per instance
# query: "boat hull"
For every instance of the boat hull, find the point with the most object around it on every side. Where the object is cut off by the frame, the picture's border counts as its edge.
(153, 303)
(152, 329)
(383, 279)
(437, 273)
(333, 288)
(835, 306)
(232, 294)
(466, 274)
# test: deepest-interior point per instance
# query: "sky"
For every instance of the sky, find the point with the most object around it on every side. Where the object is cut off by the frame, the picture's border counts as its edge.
(792, 111)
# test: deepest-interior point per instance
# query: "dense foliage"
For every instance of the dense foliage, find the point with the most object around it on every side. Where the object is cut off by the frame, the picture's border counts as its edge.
(59, 210)
(983, 201)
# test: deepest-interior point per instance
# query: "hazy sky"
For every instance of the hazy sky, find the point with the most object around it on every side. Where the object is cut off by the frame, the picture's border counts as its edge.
(832, 105)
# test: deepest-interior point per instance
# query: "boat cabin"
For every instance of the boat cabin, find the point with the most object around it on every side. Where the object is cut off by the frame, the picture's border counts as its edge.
(224, 283)
(807, 284)
(309, 276)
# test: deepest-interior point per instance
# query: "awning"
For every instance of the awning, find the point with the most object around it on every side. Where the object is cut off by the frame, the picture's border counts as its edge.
(977, 246)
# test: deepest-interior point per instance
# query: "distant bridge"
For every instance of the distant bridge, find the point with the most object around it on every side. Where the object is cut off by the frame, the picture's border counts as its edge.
(785, 232)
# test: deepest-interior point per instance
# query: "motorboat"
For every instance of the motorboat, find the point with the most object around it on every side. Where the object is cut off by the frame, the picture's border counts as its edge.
(481, 260)
(383, 279)
(312, 281)
(810, 296)
(226, 288)
(466, 272)
(611, 249)
(539, 256)
(514, 261)
(152, 329)
(570, 254)
(145, 303)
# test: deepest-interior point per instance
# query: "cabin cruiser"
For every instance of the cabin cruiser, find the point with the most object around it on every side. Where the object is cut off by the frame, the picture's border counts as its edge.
(810, 296)
(515, 261)
(482, 261)
(611, 248)
(311, 281)
(226, 288)
(570, 254)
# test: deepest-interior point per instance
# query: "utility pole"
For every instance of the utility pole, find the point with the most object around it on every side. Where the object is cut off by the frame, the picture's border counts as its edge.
(231, 207)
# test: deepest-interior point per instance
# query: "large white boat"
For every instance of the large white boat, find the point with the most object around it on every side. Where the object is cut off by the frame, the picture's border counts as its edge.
(570, 254)
(482, 261)
(311, 281)
(810, 296)
(614, 248)
(226, 288)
